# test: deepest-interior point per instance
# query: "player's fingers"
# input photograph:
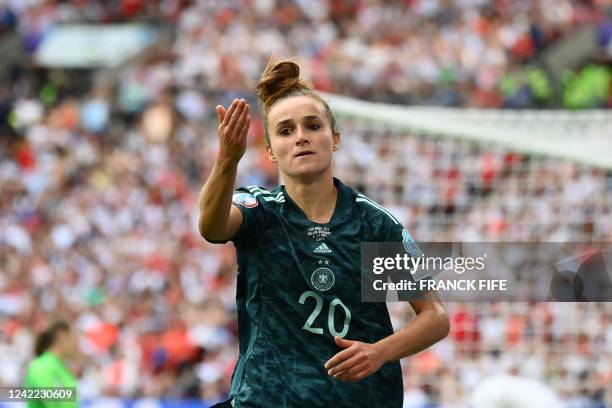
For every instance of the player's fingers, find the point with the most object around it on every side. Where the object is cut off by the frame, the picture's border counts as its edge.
(346, 365)
(357, 368)
(340, 357)
(342, 342)
(342, 377)
(350, 376)
(235, 116)
(238, 128)
(361, 375)
(220, 113)
(245, 127)
(230, 112)
(349, 373)
(243, 115)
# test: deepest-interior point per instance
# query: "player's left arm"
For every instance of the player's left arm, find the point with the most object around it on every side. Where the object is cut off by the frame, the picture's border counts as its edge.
(359, 360)
(431, 324)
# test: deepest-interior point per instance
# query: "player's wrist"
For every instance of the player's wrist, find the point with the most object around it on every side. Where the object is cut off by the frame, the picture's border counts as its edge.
(224, 163)
(382, 351)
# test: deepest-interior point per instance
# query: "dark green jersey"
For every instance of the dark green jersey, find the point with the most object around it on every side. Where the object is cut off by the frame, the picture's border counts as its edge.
(298, 287)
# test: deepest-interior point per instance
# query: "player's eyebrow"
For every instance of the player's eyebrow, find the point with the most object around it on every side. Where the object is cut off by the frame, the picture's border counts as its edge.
(307, 117)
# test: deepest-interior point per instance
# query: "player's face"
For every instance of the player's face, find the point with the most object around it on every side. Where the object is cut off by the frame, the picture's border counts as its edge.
(67, 340)
(301, 138)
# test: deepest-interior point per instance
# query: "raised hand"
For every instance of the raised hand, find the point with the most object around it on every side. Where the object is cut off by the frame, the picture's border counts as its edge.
(357, 361)
(233, 127)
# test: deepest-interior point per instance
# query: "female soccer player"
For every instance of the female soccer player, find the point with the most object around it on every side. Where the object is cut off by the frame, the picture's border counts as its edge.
(306, 339)
(53, 347)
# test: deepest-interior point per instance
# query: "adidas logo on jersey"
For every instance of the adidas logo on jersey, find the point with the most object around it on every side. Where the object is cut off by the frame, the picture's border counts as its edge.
(322, 249)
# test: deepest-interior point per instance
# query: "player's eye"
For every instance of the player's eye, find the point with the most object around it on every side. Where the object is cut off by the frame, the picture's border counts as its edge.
(314, 127)
(284, 131)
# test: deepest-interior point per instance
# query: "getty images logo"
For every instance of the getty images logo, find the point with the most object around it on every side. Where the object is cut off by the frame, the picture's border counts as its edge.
(322, 249)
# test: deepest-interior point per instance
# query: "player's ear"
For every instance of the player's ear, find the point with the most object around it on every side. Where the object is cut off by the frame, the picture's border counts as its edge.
(335, 141)
(271, 155)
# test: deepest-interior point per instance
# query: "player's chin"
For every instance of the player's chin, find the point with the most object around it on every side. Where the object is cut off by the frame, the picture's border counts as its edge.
(305, 170)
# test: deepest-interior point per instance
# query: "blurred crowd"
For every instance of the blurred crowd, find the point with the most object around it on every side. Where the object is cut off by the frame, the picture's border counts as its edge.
(98, 192)
(566, 346)
(436, 52)
(453, 191)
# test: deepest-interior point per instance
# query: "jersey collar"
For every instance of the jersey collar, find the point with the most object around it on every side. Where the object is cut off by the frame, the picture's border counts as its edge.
(343, 204)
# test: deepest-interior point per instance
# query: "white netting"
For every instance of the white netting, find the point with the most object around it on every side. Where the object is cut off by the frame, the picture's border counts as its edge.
(582, 136)
(462, 188)
(449, 187)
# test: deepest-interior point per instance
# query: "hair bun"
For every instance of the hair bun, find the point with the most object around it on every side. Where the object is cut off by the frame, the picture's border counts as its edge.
(279, 79)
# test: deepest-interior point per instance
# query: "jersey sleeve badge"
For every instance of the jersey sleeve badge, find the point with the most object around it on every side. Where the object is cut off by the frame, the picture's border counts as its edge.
(245, 199)
(410, 244)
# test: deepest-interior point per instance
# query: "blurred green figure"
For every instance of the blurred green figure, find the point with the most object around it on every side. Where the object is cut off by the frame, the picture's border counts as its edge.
(53, 347)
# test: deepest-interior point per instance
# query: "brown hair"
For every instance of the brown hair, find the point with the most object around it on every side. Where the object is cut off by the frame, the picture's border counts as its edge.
(281, 80)
(47, 338)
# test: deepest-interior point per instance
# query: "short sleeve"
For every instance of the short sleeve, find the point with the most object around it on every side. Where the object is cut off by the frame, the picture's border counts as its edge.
(251, 210)
(391, 230)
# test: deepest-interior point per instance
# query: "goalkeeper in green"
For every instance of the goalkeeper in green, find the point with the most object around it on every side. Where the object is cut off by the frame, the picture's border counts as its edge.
(53, 347)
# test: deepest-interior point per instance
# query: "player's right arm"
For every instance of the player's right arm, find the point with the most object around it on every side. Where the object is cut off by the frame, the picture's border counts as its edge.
(219, 219)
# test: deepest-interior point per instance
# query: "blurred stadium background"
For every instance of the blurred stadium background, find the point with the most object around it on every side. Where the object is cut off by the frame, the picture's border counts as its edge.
(108, 131)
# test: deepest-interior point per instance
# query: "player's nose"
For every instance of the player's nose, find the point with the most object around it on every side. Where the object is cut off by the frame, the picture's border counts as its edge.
(301, 137)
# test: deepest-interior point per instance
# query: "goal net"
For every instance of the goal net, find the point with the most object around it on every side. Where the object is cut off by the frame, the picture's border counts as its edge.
(484, 175)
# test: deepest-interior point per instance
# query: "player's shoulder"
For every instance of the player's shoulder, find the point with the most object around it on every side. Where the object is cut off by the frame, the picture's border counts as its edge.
(257, 196)
(38, 365)
(372, 211)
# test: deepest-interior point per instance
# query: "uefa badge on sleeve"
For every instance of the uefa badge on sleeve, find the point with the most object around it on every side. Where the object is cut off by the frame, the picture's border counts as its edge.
(245, 199)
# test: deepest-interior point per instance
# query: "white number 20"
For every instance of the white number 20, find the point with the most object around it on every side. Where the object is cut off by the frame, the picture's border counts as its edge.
(330, 315)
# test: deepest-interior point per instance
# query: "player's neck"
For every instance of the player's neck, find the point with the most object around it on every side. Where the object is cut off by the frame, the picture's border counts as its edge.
(316, 198)
(56, 353)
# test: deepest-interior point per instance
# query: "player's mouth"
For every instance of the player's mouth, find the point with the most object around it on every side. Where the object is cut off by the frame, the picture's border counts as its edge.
(304, 153)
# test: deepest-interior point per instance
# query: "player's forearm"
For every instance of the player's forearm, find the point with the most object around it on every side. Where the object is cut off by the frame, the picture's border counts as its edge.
(427, 328)
(216, 198)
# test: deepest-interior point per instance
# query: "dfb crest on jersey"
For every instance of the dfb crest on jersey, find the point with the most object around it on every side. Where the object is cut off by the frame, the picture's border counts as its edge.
(245, 199)
(322, 279)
